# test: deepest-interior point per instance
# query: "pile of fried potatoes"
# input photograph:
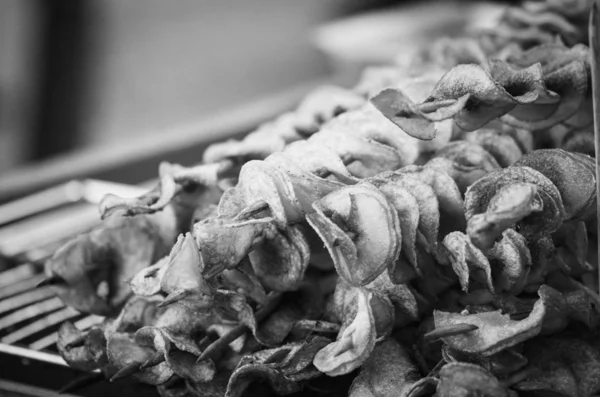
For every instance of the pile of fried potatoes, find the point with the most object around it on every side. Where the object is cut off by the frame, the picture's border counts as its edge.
(429, 231)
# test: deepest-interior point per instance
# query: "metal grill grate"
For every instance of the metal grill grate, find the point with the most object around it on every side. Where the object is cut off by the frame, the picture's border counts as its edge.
(31, 316)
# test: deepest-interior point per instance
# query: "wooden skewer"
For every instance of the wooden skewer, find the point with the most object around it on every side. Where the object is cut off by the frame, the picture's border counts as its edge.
(174, 297)
(134, 367)
(457, 329)
(251, 211)
(173, 180)
(261, 314)
(156, 359)
(52, 280)
(128, 370)
(223, 341)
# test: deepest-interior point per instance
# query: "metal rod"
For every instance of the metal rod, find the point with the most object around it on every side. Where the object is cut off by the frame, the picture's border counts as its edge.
(594, 36)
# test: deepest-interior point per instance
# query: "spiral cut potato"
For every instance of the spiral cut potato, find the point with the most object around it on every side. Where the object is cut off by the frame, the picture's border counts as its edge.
(540, 88)
(240, 246)
(261, 219)
(88, 272)
(541, 22)
(341, 250)
(534, 23)
(541, 193)
(221, 160)
(413, 201)
(269, 204)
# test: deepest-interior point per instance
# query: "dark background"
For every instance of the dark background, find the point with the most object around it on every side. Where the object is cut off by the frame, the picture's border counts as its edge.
(89, 73)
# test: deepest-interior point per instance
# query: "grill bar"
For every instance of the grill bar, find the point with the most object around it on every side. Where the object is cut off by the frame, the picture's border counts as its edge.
(30, 312)
(16, 274)
(53, 319)
(52, 338)
(26, 298)
(40, 230)
(20, 286)
(45, 342)
(31, 230)
(39, 254)
(32, 354)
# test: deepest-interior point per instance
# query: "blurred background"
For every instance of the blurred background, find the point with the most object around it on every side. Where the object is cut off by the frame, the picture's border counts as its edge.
(98, 73)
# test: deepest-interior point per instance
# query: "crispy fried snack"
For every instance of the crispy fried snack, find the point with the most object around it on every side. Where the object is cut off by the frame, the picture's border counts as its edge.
(90, 273)
(349, 257)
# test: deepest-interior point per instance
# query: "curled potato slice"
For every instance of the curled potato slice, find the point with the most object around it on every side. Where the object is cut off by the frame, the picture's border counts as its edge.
(573, 174)
(354, 344)
(281, 260)
(504, 267)
(513, 262)
(184, 270)
(83, 350)
(449, 197)
(462, 176)
(465, 168)
(181, 325)
(225, 242)
(307, 186)
(122, 350)
(319, 160)
(407, 304)
(496, 331)
(244, 279)
(137, 312)
(465, 258)
(170, 194)
(509, 205)
(94, 267)
(181, 362)
(472, 95)
(261, 181)
(368, 123)
(503, 147)
(469, 155)
(407, 207)
(282, 367)
(146, 282)
(360, 229)
(566, 72)
(469, 379)
(362, 157)
(316, 108)
(427, 201)
(501, 364)
(388, 372)
(479, 196)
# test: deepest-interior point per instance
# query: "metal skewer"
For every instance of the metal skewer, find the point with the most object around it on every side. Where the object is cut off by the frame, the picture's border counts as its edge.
(594, 36)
